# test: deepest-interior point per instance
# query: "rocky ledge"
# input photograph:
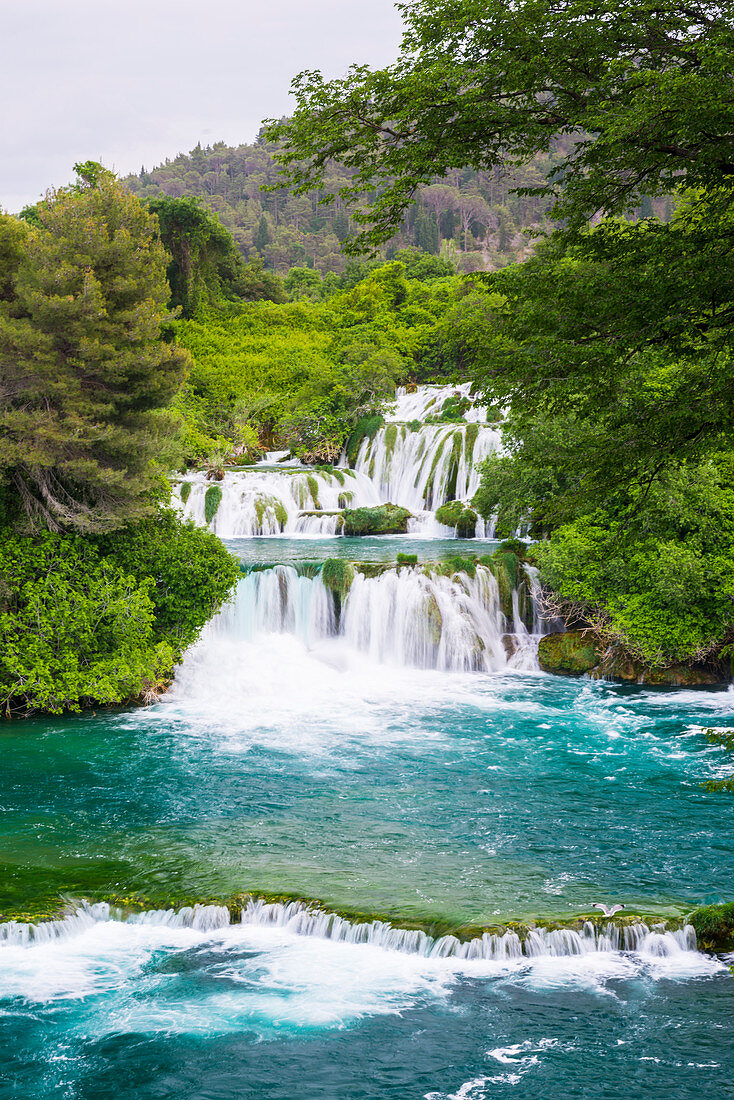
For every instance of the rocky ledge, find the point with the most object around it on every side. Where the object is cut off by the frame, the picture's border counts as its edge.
(581, 653)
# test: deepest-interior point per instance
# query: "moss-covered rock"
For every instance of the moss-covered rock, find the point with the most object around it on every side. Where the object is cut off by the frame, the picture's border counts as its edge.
(266, 503)
(407, 559)
(391, 435)
(212, 500)
(185, 491)
(470, 438)
(337, 575)
(433, 620)
(457, 514)
(714, 925)
(579, 652)
(570, 654)
(506, 570)
(386, 519)
(449, 567)
(371, 568)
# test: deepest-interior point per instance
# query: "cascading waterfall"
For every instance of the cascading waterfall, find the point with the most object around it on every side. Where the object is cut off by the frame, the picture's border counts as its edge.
(415, 465)
(302, 919)
(407, 616)
(422, 468)
(289, 501)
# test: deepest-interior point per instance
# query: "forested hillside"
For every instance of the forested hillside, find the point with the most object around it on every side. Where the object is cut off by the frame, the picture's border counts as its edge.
(472, 217)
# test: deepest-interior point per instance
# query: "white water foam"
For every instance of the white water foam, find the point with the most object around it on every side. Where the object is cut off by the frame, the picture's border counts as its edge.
(289, 966)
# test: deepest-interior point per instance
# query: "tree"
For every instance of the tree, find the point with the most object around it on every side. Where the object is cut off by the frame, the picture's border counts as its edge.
(640, 93)
(262, 236)
(85, 371)
(204, 260)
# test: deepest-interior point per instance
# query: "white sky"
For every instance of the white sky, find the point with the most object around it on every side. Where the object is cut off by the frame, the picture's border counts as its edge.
(131, 82)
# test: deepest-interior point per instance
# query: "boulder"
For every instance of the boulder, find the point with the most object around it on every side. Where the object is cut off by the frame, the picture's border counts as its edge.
(570, 654)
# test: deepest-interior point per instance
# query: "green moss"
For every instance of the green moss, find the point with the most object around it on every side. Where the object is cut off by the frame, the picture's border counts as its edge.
(366, 428)
(407, 559)
(470, 438)
(414, 425)
(453, 409)
(570, 654)
(212, 500)
(513, 546)
(371, 568)
(453, 565)
(330, 472)
(313, 488)
(391, 435)
(337, 575)
(345, 499)
(265, 502)
(185, 491)
(457, 514)
(433, 619)
(387, 519)
(714, 925)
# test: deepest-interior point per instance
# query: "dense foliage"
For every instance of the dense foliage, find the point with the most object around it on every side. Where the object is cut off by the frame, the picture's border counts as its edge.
(637, 93)
(609, 350)
(301, 375)
(101, 589)
(206, 266)
(86, 621)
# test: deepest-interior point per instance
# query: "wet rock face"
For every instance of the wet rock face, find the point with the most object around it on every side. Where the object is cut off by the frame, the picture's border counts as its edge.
(571, 654)
(578, 653)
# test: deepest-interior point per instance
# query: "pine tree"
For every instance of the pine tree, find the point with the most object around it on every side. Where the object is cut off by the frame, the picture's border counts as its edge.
(262, 234)
(84, 370)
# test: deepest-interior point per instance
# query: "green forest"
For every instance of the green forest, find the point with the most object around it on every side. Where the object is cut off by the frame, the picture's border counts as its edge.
(476, 219)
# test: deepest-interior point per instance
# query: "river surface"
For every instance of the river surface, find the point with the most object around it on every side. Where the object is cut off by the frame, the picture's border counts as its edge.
(293, 759)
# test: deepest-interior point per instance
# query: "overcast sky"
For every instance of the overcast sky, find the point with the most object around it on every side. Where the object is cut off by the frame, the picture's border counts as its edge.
(131, 82)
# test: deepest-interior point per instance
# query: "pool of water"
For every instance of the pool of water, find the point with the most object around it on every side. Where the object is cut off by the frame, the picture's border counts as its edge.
(287, 550)
(470, 797)
(143, 1011)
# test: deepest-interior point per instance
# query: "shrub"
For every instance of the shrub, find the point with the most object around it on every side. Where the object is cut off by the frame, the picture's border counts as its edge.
(457, 514)
(337, 575)
(86, 622)
(366, 428)
(386, 519)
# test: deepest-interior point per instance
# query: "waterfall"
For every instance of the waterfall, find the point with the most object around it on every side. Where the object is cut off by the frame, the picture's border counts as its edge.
(639, 938)
(408, 462)
(303, 919)
(292, 501)
(420, 469)
(409, 616)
